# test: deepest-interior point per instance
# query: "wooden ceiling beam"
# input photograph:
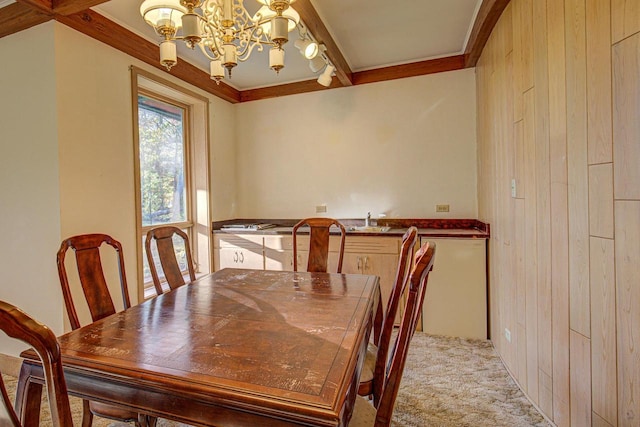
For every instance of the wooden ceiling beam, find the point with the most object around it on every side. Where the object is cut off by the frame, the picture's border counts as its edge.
(102, 29)
(413, 69)
(486, 20)
(311, 19)
(18, 16)
(44, 6)
(284, 90)
(68, 7)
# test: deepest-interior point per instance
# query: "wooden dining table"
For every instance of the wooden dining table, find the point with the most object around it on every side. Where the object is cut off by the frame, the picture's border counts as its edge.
(234, 348)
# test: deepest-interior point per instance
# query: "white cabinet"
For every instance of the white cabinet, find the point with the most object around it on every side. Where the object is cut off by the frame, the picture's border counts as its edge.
(456, 300)
(238, 251)
(373, 255)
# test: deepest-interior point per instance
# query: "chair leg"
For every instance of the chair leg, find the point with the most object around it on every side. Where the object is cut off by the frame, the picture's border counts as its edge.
(146, 421)
(87, 416)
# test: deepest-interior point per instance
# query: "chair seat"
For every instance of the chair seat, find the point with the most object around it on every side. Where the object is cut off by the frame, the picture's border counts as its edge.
(113, 412)
(364, 413)
(366, 376)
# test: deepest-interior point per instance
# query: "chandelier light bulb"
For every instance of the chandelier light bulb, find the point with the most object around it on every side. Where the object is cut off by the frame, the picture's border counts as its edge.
(279, 30)
(230, 58)
(191, 29)
(216, 71)
(163, 14)
(276, 59)
(267, 14)
(273, 4)
(168, 55)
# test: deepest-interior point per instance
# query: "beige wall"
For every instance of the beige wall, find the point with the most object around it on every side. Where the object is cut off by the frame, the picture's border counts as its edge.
(96, 150)
(398, 147)
(558, 108)
(67, 153)
(67, 150)
(29, 195)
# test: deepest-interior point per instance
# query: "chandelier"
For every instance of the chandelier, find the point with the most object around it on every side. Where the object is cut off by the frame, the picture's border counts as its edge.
(227, 33)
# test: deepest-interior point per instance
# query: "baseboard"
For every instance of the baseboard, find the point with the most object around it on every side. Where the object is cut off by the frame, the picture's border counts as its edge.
(513, 377)
(10, 365)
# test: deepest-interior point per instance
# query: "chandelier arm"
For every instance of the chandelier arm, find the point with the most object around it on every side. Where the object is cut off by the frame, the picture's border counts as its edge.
(206, 53)
(246, 53)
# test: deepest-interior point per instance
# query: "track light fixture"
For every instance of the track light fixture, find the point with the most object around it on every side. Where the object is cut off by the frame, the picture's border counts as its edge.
(308, 48)
(326, 76)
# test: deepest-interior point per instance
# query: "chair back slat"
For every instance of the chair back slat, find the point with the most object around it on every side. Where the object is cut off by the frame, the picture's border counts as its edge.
(17, 324)
(319, 239)
(91, 276)
(163, 237)
(94, 284)
(423, 264)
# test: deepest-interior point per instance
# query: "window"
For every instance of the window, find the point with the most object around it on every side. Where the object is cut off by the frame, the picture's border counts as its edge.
(163, 162)
(171, 170)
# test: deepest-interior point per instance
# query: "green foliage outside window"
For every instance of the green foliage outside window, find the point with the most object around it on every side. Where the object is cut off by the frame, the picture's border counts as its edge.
(162, 162)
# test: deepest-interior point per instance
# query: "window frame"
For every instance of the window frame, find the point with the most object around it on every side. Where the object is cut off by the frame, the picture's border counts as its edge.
(196, 158)
(188, 173)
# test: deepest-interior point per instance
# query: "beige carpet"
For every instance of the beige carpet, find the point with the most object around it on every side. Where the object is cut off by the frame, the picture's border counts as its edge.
(447, 382)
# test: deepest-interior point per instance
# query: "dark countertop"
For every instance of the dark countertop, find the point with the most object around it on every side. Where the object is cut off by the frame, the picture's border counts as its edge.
(444, 228)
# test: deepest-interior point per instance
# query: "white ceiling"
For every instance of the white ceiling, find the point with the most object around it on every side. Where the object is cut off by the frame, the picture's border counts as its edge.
(370, 33)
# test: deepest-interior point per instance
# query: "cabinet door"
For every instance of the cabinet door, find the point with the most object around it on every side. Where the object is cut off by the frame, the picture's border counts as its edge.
(278, 253)
(456, 300)
(240, 258)
(238, 251)
(377, 256)
(382, 265)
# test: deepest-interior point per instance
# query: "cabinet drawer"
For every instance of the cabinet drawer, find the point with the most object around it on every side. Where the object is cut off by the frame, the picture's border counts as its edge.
(372, 245)
(249, 241)
(285, 243)
(280, 243)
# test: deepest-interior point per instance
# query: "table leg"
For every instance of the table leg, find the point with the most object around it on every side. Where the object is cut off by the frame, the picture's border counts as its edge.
(28, 398)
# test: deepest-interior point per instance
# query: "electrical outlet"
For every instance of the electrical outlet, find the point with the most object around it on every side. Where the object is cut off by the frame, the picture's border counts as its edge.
(321, 209)
(442, 208)
(507, 334)
(513, 188)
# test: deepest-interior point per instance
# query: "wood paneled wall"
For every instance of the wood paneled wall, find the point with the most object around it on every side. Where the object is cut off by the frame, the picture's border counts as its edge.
(559, 181)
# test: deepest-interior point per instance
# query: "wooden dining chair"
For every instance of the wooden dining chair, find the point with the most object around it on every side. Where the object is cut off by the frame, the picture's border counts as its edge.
(318, 244)
(380, 347)
(17, 324)
(378, 413)
(166, 253)
(100, 303)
